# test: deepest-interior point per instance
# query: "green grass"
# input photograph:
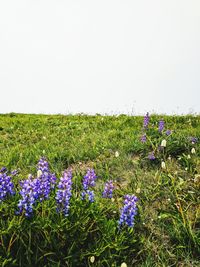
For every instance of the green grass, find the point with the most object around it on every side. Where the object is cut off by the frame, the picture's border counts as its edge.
(167, 228)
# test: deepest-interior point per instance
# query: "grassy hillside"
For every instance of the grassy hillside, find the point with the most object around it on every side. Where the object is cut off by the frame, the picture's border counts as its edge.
(167, 224)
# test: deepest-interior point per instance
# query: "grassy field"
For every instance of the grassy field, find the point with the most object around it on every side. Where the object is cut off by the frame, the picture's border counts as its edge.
(167, 224)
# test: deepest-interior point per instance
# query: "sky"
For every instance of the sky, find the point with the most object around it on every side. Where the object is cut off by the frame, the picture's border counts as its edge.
(107, 57)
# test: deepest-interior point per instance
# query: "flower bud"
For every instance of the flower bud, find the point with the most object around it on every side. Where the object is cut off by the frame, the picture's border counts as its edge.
(163, 166)
(163, 143)
(92, 259)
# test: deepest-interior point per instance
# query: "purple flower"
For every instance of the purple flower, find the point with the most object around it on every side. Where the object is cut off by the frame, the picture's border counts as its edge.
(34, 189)
(151, 156)
(64, 193)
(193, 139)
(161, 125)
(87, 194)
(46, 178)
(108, 189)
(143, 138)
(128, 211)
(6, 184)
(14, 172)
(168, 132)
(146, 120)
(43, 165)
(89, 181)
(30, 193)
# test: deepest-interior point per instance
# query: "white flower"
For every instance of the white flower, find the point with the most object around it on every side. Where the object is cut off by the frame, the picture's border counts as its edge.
(138, 190)
(188, 156)
(116, 154)
(163, 143)
(124, 264)
(44, 137)
(163, 166)
(39, 173)
(193, 151)
(92, 259)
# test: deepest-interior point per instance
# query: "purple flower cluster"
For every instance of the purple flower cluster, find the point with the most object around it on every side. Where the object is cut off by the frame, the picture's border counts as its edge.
(161, 125)
(46, 178)
(168, 132)
(151, 156)
(63, 193)
(143, 138)
(30, 193)
(146, 120)
(129, 210)
(193, 139)
(6, 184)
(108, 189)
(38, 188)
(89, 181)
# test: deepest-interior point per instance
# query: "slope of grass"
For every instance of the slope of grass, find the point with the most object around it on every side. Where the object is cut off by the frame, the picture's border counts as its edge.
(167, 228)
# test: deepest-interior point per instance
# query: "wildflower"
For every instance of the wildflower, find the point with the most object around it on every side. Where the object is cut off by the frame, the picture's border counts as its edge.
(30, 193)
(108, 189)
(116, 154)
(6, 184)
(168, 132)
(46, 178)
(123, 264)
(128, 211)
(143, 138)
(92, 259)
(161, 125)
(14, 172)
(63, 193)
(151, 156)
(193, 151)
(193, 139)
(138, 190)
(163, 165)
(87, 194)
(163, 143)
(88, 181)
(188, 156)
(146, 120)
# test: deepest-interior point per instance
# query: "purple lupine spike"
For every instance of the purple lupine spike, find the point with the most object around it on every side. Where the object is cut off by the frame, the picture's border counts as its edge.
(30, 193)
(43, 165)
(161, 125)
(193, 139)
(168, 132)
(143, 138)
(146, 120)
(63, 193)
(128, 211)
(108, 189)
(47, 179)
(88, 181)
(6, 184)
(151, 156)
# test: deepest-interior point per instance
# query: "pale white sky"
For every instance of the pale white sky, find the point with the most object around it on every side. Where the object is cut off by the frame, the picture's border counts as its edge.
(108, 56)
